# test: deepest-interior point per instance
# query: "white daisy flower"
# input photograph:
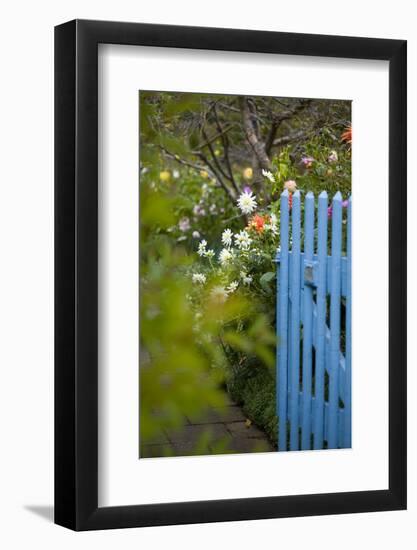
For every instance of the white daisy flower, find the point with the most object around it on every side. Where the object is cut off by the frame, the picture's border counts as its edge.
(202, 248)
(269, 175)
(219, 294)
(247, 202)
(199, 278)
(243, 240)
(225, 256)
(227, 237)
(272, 225)
(246, 279)
(209, 253)
(232, 287)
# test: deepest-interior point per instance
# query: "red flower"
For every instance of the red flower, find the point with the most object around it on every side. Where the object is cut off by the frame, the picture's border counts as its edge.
(347, 135)
(258, 222)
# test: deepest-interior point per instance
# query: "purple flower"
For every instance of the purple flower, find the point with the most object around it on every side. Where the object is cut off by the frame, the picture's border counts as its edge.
(198, 210)
(307, 161)
(247, 189)
(345, 204)
(184, 224)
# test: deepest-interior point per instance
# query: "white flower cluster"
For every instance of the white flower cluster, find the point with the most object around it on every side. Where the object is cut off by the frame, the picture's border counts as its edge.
(272, 225)
(225, 256)
(220, 293)
(202, 250)
(246, 279)
(227, 237)
(199, 278)
(269, 175)
(232, 287)
(243, 240)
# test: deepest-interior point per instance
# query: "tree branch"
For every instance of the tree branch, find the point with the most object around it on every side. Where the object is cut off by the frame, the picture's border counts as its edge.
(284, 140)
(225, 141)
(206, 167)
(257, 146)
(217, 175)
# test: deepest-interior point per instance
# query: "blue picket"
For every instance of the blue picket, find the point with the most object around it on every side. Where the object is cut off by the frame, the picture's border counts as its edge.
(335, 321)
(294, 366)
(321, 321)
(348, 368)
(307, 323)
(282, 322)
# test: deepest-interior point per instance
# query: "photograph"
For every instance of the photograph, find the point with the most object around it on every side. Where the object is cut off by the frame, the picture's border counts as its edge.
(245, 273)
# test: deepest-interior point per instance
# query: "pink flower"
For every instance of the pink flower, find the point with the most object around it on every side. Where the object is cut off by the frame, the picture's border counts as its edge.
(184, 224)
(332, 158)
(290, 185)
(307, 161)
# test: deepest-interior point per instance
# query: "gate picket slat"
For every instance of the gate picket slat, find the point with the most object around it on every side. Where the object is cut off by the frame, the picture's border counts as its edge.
(348, 364)
(282, 323)
(295, 320)
(307, 315)
(318, 420)
(335, 293)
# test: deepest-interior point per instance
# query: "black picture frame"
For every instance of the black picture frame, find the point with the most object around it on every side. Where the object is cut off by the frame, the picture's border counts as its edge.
(76, 272)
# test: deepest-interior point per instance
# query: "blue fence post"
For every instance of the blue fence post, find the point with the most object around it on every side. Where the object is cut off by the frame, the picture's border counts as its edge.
(348, 363)
(295, 321)
(335, 292)
(282, 317)
(307, 322)
(318, 416)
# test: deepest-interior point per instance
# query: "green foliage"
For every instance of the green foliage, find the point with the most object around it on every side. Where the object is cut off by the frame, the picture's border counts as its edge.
(253, 386)
(183, 354)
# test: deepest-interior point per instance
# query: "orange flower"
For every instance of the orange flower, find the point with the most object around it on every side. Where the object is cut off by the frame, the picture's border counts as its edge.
(347, 135)
(258, 222)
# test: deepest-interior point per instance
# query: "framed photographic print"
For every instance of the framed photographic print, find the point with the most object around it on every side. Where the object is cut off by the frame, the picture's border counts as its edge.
(230, 245)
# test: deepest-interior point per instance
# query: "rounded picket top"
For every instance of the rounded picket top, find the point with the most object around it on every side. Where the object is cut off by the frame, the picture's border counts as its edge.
(338, 197)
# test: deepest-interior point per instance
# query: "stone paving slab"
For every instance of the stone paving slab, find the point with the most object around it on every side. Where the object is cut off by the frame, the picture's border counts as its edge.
(229, 413)
(239, 429)
(230, 432)
(194, 433)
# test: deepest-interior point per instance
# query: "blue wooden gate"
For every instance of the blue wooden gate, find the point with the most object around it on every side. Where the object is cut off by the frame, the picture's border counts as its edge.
(314, 297)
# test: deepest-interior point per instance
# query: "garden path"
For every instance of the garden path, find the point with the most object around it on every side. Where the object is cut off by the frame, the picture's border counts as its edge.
(230, 432)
